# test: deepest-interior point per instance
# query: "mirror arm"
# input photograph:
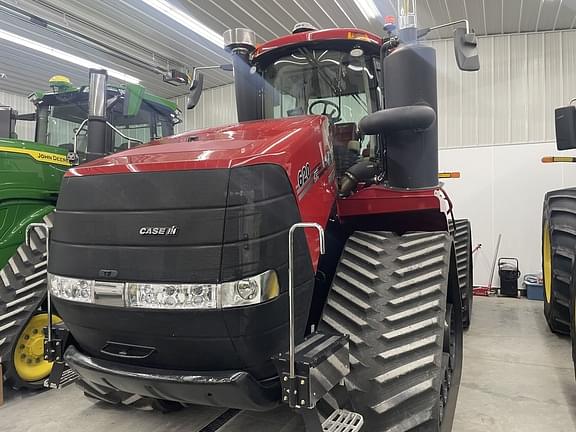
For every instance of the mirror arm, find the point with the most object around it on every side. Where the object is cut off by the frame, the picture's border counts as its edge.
(424, 32)
(201, 68)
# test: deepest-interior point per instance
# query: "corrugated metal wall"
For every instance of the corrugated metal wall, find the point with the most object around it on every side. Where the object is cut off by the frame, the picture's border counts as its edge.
(24, 129)
(217, 107)
(523, 77)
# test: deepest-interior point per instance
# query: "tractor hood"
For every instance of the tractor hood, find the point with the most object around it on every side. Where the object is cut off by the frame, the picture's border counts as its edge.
(30, 170)
(265, 141)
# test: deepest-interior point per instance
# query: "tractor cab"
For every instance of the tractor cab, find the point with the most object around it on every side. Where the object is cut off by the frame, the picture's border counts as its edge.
(337, 80)
(62, 115)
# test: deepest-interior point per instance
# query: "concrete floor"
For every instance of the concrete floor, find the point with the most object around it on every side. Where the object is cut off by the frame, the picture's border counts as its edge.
(517, 377)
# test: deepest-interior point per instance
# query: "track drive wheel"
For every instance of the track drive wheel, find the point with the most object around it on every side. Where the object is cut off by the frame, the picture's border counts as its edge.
(114, 397)
(391, 295)
(22, 294)
(558, 251)
(462, 233)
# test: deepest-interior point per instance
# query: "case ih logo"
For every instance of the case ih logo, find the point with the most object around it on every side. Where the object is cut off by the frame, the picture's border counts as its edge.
(159, 231)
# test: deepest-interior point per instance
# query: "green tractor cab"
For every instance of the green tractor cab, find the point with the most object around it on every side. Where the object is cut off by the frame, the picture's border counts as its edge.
(31, 174)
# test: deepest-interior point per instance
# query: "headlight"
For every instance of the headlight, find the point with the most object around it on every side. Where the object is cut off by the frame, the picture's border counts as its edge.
(251, 290)
(245, 292)
(79, 290)
(160, 296)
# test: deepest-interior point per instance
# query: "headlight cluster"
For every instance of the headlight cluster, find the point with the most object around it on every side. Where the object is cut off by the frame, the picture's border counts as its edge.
(160, 296)
(79, 290)
(245, 292)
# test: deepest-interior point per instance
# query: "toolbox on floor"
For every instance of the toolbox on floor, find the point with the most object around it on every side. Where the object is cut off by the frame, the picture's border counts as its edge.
(509, 273)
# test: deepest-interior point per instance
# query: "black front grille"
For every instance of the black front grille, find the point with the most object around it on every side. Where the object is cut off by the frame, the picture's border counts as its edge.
(232, 223)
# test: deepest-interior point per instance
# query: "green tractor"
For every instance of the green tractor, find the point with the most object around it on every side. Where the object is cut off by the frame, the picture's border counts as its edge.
(72, 125)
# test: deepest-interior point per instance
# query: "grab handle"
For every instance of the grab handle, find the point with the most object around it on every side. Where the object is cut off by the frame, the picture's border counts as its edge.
(294, 227)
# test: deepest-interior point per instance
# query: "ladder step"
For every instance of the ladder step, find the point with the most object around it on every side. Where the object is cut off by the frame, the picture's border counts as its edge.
(60, 377)
(343, 421)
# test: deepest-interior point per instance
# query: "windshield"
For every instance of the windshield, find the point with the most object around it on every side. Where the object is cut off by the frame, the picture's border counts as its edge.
(319, 81)
(63, 121)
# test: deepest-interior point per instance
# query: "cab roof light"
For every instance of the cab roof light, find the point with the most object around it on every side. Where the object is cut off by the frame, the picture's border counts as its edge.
(71, 58)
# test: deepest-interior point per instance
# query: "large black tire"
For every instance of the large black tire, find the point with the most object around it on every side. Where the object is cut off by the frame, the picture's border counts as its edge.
(558, 250)
(462, 232)
(573, 315)
(390, 296)
(22, 293)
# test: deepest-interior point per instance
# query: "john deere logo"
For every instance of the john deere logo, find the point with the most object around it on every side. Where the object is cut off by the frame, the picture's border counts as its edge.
(159, 231)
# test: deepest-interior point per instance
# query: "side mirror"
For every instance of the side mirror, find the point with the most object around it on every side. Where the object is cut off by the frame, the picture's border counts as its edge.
(566, 127)
(195, 91)
(466, 50)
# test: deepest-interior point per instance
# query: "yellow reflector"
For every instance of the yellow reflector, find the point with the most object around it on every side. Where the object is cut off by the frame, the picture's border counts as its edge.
(359, 36)
(553, 159)
(444, 175)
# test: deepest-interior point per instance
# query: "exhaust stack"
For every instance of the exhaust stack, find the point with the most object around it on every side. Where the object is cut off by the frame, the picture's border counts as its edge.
(97, 114)
(407, 22)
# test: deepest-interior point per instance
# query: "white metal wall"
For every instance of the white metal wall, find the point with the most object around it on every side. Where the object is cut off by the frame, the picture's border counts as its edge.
(511, 100)
(501, 191)
(217, 107)
(24, 129)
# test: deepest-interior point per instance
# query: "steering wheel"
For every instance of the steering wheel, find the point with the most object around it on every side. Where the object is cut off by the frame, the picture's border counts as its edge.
(333, 115)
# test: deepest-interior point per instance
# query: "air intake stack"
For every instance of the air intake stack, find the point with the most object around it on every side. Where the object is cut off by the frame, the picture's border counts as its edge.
(408, 121)
(241, 43)
(410, 81)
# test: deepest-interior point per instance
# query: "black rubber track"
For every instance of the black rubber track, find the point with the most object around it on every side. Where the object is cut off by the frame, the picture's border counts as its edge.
(461, 230)
(22, 293)
(559, 214)
(573, 315)
(390, 296)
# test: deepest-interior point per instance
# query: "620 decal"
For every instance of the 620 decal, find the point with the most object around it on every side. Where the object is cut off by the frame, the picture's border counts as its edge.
(303, 175)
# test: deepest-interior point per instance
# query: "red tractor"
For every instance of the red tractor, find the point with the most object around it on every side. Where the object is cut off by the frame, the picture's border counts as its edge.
(182, 275)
